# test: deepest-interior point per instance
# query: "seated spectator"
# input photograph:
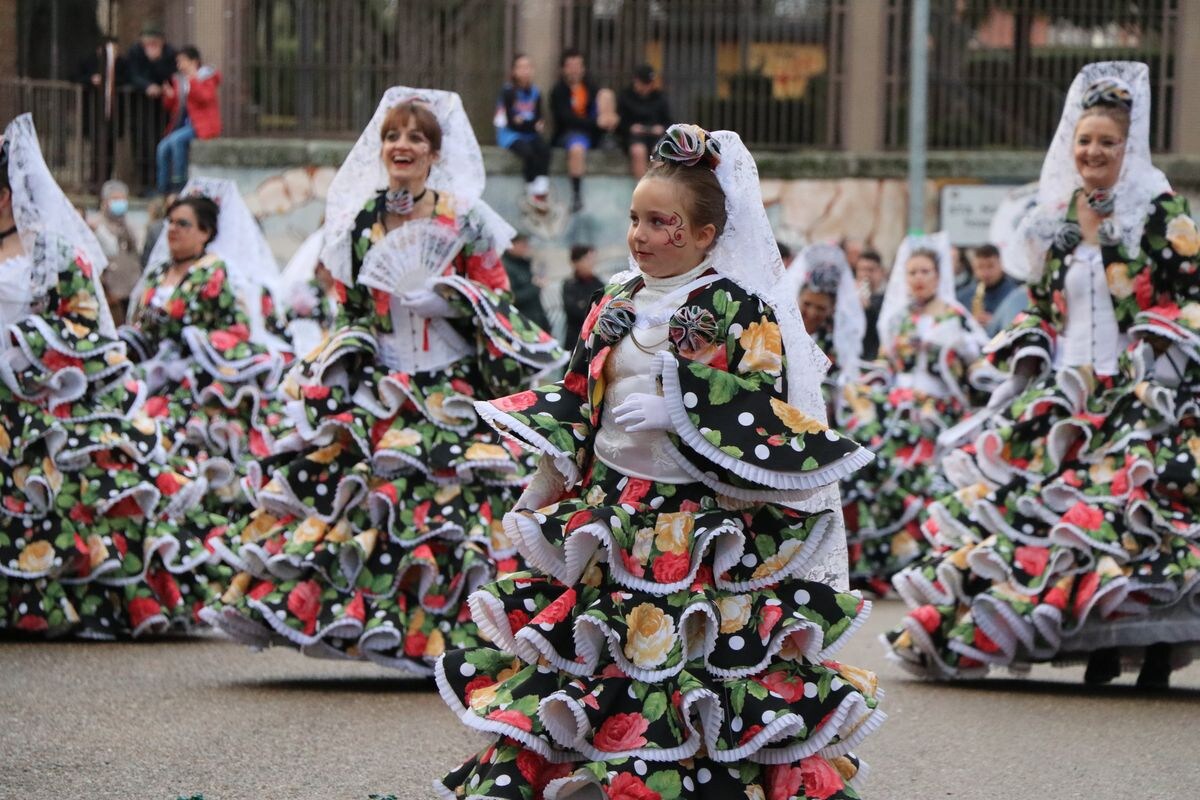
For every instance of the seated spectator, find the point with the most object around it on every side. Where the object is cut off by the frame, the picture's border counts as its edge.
(964, 279)
(992, 287)
(872, 280)
(519, 127)
(578, 290)
(117, 241)
(644, 117)
(191, 101)
(151, 65)
(578, 122)
(527, 294)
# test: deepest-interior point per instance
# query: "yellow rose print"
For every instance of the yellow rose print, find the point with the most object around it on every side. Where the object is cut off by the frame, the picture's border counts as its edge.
(311, 531)
(399, 439)
(481, 451)
(1190, 314)
(436, 645)
(327, 454)
(97, 550)
(735, 612)
(1119, 282)
(763, 346)
(36, 557)
(673, 532)
(650, 636)
(1183, 236)
(795, 419)
(237, 588)
(447, 493)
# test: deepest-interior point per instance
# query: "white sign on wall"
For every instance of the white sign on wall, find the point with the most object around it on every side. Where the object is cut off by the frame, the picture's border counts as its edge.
(966, 211)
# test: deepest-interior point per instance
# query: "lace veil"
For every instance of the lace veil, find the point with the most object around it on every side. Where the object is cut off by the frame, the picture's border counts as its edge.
(458, 171)
(1138, 183)
(849, 317)
(46, 220)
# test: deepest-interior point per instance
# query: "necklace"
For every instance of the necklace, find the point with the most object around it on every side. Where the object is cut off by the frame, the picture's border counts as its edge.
(7, 233)
(401, 202)
(1102, 201)
(647, 349)
(186, 260)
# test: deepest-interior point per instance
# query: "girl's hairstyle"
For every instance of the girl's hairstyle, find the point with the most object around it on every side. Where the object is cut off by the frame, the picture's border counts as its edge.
(688, 155)
(206, 212)
(398, 117)
(925, 252)
(1109, 97)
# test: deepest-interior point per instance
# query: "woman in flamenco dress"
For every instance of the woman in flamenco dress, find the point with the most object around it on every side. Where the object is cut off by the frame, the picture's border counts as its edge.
(929, 343)
(99, 538)
(378, 516)
(1072, 533)
(199, 329)
(676, 640)
(833, 315)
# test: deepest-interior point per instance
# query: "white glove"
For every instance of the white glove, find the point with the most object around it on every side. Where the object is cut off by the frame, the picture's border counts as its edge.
(427, 303)
(643, 412)
(1006, 392)
(545, 488)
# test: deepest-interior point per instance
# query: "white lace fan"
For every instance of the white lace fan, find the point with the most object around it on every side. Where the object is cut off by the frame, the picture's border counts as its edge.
(410, 255)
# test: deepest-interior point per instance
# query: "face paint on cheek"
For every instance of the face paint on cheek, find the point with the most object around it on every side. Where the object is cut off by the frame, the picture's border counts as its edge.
(675, 232)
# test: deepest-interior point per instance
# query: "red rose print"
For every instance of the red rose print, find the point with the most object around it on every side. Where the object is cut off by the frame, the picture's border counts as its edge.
(720, 359)
(414, 644)
(55, 360)
(576, 384)
(339, 291)
(621, 732)
(142, 609)
(82, 514)
(558, 610)
(478, 682)
(790, 689)
(517, 619)
(671, 567)
(630, 787)
(421, 515)
(510, 716)
(434, 601)
(1142, 289)
(821, 780)
(634, 491)
(84, 265)
(589, 321)
(1085, 516)
(167, 483)
(267, 305)
(1032, 559)
(304, 603)
(261, 590)
(156, 406)
(315, 392)
(703, 579)
(784, 782)
(506, 565)
(212, 289)
(1055, 597)
(163, 584)
(31, 624)
(258, 444)
(118, 541)
(462, 387)
(224, 340)
(176, 308)
(597, 365)
(578, 519)
(516, 402)
(770, 618)
(928, 616)
(240, 330)
(750, 733)
(382, 302)
(1088, 585)
(632, 565)
(984, 643)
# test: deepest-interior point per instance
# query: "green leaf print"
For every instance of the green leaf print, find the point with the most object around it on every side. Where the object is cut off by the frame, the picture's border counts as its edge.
(737, 698)
(757, 690)
(848, 603)
(824, 686)
(721, 387)
(655, 706)
(666, 783)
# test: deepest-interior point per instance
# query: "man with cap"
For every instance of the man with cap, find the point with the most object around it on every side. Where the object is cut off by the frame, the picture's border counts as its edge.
(151, 64)
(645, 116)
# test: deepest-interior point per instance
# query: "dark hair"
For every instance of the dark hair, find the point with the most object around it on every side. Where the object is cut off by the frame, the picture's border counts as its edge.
(871, 255)
(189, 51)
(398, 117)
(570, 52)
(704, 200)
(785, 252)
(4, 182)
(516, 57)
(1114, 111)
(925, 252)
(578, 251)
(206, 212)
(987, 251)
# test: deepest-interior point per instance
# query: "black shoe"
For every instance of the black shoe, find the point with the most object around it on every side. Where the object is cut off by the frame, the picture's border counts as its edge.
(1156, 668)
(576, 204)
(1103, 667)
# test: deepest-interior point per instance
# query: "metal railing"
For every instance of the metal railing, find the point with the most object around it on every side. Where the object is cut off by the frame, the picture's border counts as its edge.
(769, 69)
(999, 72)
(317, 68)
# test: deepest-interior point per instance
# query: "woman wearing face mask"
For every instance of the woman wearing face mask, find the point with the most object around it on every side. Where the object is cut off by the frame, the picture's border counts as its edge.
(380, 513)
(98, 538)
(117, 241)
(684, 605)
(929, 342)
(833, 315)
(1073, 531)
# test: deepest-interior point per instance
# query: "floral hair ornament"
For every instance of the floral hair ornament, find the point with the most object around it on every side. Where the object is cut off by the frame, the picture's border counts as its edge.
(689, 145)
(824, 277)
(1108, 91)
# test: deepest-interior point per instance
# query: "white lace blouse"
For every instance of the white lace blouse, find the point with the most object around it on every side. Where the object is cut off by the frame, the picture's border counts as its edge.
(16, 293)
(1092, 337)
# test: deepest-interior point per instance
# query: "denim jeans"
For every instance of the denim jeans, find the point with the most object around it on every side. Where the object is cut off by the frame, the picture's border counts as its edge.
(172, 158)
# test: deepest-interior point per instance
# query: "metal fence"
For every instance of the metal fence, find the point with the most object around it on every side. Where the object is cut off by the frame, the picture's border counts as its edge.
(999, 72)
(318, 67)
(770, 69)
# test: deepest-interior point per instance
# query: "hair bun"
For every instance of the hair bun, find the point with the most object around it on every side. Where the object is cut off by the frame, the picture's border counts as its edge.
(689, 145)
(1108, 92)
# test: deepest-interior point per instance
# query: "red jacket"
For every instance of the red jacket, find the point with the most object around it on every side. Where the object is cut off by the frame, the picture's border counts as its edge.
(202, 106)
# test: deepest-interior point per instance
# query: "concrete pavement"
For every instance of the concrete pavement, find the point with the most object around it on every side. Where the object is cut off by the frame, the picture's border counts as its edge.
(200, 716)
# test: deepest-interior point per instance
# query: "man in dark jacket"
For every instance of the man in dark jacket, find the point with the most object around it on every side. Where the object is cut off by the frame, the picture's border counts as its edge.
(872, 281)
(578, 291)
(527, 295)
(579, 120)
(645, 116)
(151, 66)
(103, 74)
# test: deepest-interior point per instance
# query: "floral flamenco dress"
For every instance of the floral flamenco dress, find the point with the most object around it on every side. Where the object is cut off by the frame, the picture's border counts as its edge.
(212, 385)
(98, 537)
(899, 415)
(669, 645)
(382, 511)
(1075, 521)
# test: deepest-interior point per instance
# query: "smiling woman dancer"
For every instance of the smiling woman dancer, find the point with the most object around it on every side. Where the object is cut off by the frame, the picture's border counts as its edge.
(1074, 531)
(382, 510)
(677, 642)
